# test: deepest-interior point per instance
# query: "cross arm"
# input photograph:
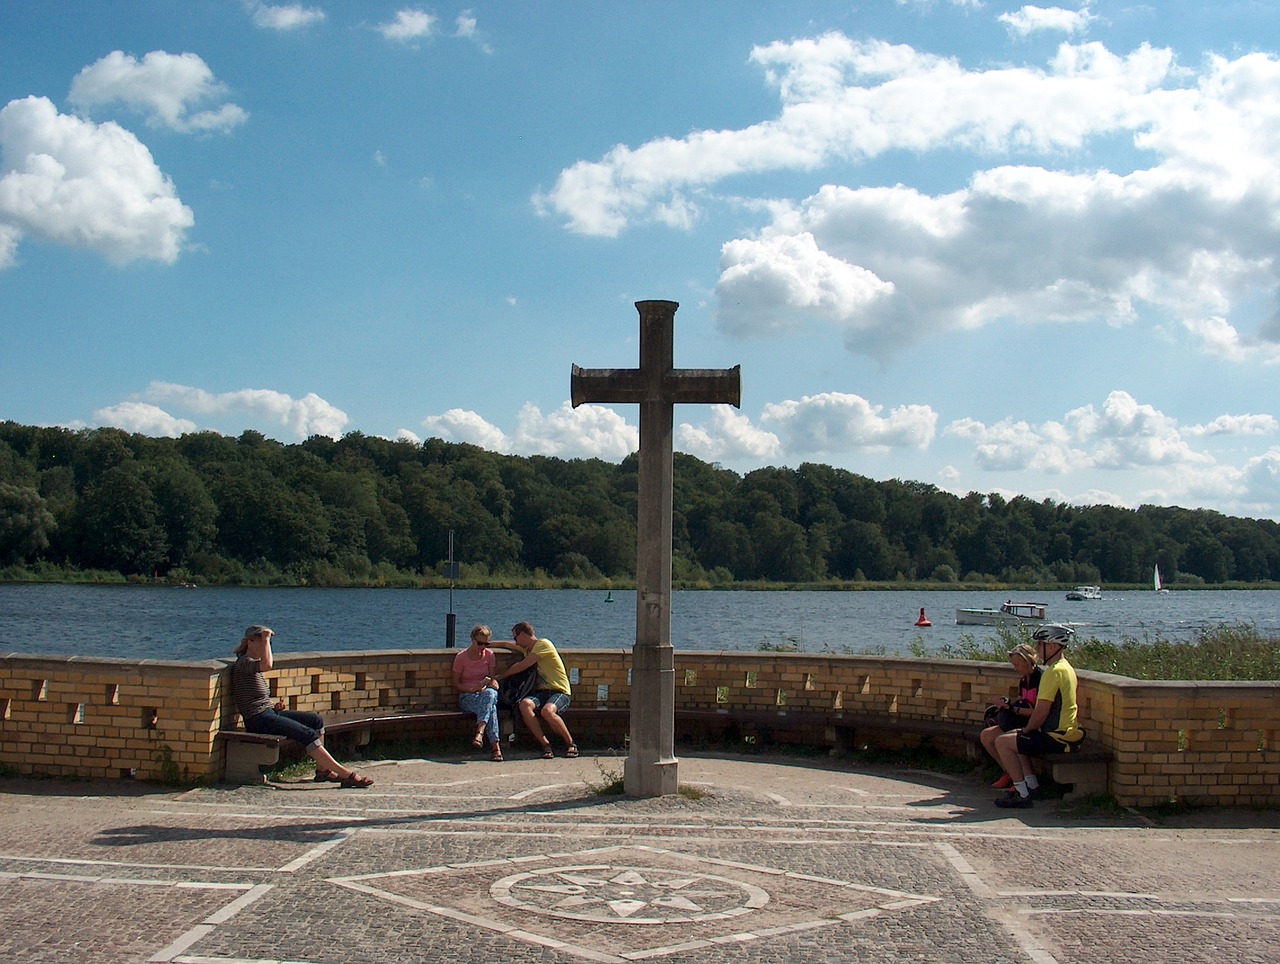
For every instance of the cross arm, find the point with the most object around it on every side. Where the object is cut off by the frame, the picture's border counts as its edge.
(697, 385)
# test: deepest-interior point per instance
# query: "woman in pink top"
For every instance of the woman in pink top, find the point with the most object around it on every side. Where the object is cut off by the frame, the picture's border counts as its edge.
(473, 672)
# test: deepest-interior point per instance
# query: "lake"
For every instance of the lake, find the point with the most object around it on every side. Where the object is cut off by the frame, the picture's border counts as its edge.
(141, 622)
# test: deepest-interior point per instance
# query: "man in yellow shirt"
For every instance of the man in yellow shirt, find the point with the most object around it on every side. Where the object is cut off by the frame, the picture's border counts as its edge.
(551, 698)
(1052, 726)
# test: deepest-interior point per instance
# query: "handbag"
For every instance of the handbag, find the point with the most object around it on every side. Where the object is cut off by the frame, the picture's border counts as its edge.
(515, 688)
(1004, 716)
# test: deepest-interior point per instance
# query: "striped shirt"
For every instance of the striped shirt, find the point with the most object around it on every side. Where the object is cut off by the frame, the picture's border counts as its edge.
(249, 691)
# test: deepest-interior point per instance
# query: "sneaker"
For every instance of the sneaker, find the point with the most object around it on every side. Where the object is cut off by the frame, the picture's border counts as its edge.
(1034, 794)
(1004, 783)
(1014, 801)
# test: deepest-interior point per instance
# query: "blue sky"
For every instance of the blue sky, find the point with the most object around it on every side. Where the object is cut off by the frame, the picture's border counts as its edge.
(992, 247)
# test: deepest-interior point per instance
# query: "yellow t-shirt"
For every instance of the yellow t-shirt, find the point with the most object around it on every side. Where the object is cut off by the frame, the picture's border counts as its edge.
(1058, 683)
(551, 673)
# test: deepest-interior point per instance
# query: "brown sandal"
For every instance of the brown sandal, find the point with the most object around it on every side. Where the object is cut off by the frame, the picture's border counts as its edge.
(496, 756)
(547, 752)
(354, 781)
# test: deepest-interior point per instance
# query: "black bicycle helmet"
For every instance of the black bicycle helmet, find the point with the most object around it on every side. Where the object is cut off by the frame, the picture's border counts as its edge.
(1054, 634)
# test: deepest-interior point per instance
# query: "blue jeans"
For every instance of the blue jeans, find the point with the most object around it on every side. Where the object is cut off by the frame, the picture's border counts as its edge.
(484, 707)
(297, 725)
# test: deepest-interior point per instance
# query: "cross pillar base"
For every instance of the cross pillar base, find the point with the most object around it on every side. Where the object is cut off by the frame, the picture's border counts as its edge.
(651, 768)
(654, 778)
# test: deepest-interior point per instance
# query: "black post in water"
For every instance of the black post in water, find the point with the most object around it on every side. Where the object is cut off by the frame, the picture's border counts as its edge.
(451, 618)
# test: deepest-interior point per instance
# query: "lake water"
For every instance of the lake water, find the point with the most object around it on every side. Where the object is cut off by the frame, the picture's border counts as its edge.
(138, 622)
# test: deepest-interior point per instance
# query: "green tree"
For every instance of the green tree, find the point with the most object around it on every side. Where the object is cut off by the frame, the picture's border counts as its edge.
(117, 524)
(184, 509)
(25, 523)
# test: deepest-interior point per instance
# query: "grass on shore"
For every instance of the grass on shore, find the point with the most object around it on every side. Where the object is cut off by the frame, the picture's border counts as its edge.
(1230, 652)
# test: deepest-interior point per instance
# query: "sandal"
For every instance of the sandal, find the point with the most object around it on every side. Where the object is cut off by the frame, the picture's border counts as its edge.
(354, 781)
(547, 752)
(572, 751)
(496, 756)
(479, 740)
(327, 776)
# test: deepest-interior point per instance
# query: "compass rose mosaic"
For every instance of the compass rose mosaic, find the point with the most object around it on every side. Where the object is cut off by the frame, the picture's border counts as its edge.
(629, 895)
(633, 902)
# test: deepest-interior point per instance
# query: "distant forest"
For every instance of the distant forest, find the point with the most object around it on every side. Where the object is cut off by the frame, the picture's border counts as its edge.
(207, 508)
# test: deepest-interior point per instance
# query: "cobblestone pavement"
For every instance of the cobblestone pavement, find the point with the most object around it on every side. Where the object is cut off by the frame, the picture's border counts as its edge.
(463, 860)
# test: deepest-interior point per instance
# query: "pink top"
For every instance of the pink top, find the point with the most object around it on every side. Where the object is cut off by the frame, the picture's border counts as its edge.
(471, 672)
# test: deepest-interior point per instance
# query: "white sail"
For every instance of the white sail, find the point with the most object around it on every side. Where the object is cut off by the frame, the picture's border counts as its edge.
(1156, 579)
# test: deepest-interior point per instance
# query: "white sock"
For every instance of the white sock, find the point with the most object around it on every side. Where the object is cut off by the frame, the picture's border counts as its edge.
(1021, 787)
(1032, 781)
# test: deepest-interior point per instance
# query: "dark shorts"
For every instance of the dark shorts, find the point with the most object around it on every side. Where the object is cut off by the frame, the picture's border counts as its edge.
(1039, 743)
(297, 725)
(541, 698)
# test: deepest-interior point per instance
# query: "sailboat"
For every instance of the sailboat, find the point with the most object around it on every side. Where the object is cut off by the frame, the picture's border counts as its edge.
(1155, 580)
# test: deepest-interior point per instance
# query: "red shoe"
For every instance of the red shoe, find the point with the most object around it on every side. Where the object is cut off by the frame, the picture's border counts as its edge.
(1004, 782)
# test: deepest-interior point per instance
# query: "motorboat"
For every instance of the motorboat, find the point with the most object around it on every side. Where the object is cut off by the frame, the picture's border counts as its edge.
(1085, 592)
(1009, 614)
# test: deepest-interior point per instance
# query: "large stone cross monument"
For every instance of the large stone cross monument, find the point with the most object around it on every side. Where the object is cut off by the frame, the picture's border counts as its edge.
(651, 768)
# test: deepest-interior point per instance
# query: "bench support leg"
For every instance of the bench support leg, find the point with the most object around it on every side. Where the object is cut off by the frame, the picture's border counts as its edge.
(1086, 779)
(245, 759)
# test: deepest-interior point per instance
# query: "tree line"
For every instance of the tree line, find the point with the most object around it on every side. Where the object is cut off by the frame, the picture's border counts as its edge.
(364, 510)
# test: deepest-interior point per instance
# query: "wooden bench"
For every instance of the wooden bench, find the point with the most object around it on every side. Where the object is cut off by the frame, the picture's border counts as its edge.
(248, 753)
(1084, 771)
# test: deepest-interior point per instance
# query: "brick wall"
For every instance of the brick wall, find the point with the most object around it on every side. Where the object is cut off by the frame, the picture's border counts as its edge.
(1212, 743)
(109, 718)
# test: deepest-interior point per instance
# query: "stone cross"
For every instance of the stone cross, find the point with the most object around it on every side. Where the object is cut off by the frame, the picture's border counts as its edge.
(651, 768)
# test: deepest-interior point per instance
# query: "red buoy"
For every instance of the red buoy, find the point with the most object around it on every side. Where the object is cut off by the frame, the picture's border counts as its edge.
(923, 620)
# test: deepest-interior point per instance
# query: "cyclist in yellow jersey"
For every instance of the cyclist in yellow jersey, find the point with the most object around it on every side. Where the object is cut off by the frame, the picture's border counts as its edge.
(1052, 727)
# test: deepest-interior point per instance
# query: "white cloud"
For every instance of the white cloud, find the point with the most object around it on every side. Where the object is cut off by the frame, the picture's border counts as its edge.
(1221, 339)
(729, 436)
(466, 28)
(302, 417)
(1188, 236)
(846, 100)
(408, 25)
(9, 238)
(163, 87)
(291, 16)
(1122, 434)
(1260, 480)
(1128, 434)
(144, 419)
(1012, 445)
(834, 422)
(94, 186)
(460, 425)
(1236, 425)
(589, 431)
(765, 283)
(1031, 20)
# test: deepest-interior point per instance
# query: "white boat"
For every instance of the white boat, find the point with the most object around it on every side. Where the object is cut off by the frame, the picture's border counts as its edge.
(1009, 614)
(1155, 580)
(1085, 592)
